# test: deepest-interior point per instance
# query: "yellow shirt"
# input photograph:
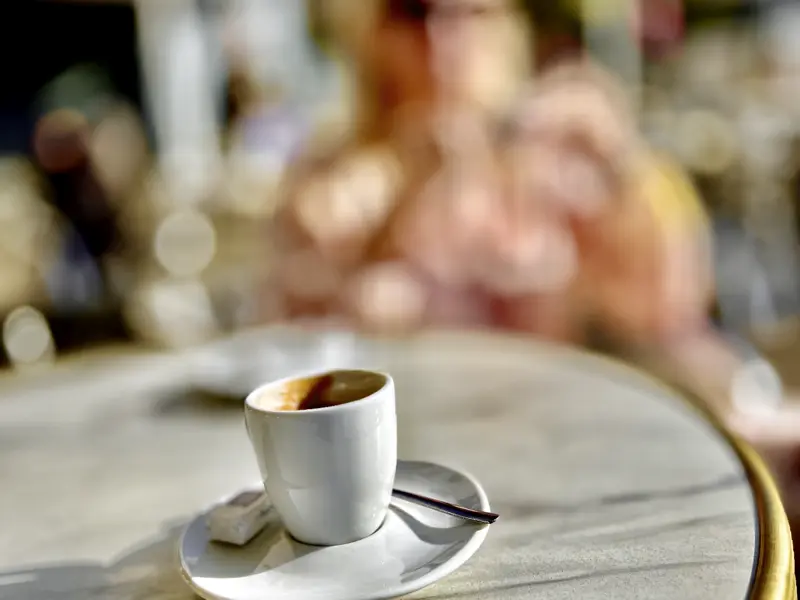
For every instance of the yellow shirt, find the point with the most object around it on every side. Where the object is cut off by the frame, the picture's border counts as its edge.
(673, 198)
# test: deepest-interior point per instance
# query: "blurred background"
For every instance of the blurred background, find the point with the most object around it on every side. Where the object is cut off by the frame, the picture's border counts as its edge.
(141, 143)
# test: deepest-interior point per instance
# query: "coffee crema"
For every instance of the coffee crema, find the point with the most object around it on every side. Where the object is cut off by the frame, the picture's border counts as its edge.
(322, 391)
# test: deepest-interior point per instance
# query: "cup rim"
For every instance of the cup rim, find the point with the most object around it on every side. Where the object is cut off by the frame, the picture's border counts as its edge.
(371, 399)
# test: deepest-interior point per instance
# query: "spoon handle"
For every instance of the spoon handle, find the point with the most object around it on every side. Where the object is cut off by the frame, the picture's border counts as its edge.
(468, 514)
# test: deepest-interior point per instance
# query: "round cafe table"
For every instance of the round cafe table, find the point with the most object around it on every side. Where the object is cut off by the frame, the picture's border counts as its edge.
(609, 485)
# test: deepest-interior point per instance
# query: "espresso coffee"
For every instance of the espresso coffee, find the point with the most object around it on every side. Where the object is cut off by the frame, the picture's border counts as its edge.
(323, 391)
(326, 446)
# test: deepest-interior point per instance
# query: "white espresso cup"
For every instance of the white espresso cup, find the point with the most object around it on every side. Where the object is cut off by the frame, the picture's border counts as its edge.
(326, 445)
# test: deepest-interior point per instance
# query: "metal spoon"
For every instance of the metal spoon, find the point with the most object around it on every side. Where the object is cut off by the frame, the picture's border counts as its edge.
(454, 510)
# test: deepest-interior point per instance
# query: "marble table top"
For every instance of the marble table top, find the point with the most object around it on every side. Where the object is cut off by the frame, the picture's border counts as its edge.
(608, 486)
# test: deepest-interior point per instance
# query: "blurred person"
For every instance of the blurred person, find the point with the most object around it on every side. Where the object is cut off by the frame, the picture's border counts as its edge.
(529, 207)
(82, 305)
(85, 146)
(469, 196)
(61, 149)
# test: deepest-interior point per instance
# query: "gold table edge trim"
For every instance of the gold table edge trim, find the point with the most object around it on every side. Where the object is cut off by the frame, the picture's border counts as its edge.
(773, 576)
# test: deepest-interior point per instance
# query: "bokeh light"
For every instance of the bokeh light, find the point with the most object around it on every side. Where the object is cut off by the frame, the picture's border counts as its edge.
(26, 337)
(185, 243)
(756, 387)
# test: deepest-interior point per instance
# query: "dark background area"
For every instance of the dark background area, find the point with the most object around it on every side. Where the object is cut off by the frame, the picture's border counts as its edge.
(40, 39)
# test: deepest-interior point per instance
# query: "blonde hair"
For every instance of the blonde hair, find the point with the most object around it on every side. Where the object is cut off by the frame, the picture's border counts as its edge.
(346, 28)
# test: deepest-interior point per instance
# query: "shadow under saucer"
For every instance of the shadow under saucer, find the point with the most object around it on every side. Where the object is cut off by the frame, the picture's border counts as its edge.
(148, 571)
(412, 549)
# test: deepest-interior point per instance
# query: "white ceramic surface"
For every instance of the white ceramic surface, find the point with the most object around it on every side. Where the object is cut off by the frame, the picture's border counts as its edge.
(414, 548)
(328, 471)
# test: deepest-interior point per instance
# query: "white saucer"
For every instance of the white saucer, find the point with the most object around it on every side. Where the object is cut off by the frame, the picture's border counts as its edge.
(414, 548)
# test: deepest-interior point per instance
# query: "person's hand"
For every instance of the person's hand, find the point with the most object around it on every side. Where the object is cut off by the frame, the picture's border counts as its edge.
(579, 144)
(644, 268)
